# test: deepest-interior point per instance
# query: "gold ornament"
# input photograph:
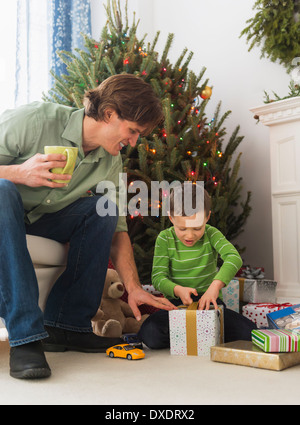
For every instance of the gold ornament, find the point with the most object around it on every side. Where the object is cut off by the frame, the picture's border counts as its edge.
(206, 93)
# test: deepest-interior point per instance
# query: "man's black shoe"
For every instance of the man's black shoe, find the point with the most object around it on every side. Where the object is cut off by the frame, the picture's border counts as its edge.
(28, 361)
(60, 340)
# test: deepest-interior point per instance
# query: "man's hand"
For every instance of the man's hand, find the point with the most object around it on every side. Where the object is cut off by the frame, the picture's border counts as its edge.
(138, 297)
(35, 172)
(184, 293)
(211, 295)
(122, 258)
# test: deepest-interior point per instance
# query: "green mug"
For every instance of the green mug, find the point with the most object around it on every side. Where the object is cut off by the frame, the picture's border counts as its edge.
(71, 155)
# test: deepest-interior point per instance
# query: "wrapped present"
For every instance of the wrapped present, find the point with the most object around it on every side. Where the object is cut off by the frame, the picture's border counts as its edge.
(276, 340)
(245, 353)
(257, 312)
(288, 318)
(193, 332)
(257, 290)
(151, 290)
(231, 295)
(251, 272)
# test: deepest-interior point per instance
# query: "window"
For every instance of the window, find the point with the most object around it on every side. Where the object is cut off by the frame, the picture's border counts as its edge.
(24, 63)
(31, 31)
(8, 29)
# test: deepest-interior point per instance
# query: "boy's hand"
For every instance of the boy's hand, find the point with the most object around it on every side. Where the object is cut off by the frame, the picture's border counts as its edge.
(211, 295)
(184, 293)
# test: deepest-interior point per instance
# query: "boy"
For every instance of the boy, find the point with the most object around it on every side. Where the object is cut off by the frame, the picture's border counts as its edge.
(185, 267)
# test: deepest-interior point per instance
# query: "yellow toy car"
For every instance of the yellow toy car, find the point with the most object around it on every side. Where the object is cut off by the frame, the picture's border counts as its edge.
(125, 351)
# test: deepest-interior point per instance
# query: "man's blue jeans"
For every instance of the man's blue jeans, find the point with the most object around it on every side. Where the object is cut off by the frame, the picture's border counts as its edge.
(77, 293)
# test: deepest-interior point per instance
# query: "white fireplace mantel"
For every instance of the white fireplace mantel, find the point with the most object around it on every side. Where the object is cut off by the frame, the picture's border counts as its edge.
(283, 119)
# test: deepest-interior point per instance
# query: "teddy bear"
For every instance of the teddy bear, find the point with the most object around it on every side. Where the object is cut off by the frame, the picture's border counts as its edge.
(114, 316)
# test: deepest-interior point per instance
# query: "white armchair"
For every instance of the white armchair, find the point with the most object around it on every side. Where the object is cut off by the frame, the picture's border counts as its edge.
(49, 258)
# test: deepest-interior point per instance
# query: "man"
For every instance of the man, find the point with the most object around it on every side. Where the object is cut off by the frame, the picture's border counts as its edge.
(115, 114)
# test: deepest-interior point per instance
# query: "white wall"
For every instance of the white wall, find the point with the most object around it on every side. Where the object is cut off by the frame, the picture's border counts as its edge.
(211, 30)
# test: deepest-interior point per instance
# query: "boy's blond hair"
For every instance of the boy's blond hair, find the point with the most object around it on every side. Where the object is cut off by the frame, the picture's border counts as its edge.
(195, 189)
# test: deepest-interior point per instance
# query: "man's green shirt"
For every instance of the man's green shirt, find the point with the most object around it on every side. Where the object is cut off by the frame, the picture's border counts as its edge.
(26, 130)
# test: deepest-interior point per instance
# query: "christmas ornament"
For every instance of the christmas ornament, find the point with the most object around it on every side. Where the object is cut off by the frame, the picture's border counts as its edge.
(206, 93)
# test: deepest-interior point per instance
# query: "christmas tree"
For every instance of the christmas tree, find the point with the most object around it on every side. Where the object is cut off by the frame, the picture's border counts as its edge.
(187, 147)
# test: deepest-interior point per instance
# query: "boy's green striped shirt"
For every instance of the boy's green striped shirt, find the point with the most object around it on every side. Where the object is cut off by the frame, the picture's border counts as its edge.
(176, 264)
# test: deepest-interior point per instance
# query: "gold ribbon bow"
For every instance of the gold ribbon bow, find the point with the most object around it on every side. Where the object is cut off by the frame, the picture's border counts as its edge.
(191, 328)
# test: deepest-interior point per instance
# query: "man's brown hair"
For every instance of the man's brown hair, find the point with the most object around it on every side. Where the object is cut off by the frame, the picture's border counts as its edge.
(131, 97)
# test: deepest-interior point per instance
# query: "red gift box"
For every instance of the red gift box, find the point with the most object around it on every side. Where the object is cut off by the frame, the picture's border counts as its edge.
(257, 312)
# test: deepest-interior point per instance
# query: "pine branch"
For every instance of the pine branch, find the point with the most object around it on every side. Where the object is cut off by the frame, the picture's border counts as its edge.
(166, 49)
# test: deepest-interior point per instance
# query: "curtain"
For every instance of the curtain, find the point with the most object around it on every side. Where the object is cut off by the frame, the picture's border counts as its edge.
(43, 27)
(69, 18)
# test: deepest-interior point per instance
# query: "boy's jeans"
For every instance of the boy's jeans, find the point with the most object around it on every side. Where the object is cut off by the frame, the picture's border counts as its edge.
(155, 331)
(77, 293)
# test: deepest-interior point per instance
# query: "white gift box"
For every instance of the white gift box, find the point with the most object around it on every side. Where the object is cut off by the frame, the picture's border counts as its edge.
(193, 332)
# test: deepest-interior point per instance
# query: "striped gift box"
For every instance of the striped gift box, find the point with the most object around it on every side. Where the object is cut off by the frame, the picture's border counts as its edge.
(276, 341)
